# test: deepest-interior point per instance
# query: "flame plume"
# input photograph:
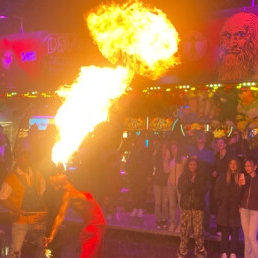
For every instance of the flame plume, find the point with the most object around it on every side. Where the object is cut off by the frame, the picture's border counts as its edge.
(86, 104)
(139, 37)
(136, 38)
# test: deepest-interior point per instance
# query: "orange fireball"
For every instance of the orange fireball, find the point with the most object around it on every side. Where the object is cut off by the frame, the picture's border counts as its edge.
(139, 37)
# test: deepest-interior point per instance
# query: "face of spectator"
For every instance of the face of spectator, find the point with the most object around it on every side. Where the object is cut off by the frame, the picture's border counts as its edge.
(250, 167)
(201, 139)
(173, 148)
(23, 160)
(192, 166)
(235, 137)
(233, 166)
(164, 148)
(221, 145)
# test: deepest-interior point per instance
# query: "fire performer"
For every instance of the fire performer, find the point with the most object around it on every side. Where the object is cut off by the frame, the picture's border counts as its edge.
(92, 235)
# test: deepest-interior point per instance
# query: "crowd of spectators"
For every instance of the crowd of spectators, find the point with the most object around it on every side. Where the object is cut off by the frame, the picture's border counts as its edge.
(186, 175)
(198, 176)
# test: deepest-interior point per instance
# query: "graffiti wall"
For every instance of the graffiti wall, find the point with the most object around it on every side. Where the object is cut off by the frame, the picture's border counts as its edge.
(221, 48)
(38, 60)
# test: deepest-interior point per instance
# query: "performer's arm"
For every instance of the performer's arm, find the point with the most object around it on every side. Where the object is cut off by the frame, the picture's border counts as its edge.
(59, 218)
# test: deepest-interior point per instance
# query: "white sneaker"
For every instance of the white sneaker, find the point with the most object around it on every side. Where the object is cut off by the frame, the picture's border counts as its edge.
(177, 230)
(134, 212)
(171, 227)
(140, 213)
(224, 255)
(232, 255)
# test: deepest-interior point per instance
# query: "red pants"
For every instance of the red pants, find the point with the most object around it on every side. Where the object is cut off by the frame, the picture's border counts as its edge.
(92, 241)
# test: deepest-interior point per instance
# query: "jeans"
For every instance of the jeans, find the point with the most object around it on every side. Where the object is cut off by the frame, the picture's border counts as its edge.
(249, 221)
(161, 202)
(18, 234)
(174, 200)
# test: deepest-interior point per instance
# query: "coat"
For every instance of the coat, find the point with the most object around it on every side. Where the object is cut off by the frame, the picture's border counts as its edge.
(227, 197)
(192, 194)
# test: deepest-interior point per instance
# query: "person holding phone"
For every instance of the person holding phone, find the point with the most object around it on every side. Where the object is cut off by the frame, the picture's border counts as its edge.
(249, 208)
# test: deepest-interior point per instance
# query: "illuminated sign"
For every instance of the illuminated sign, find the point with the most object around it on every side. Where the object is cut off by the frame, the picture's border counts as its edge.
(28, 56)
(42, 121)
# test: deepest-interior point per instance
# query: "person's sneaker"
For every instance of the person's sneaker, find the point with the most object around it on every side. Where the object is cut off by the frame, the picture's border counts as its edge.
(134, 212)
(164, 225)
(171, 227)
(224, 255)
(177, 230)
(158, 225)
(140, 213)
(232, 255)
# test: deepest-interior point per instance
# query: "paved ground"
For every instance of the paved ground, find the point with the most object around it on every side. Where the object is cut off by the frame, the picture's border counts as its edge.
(128, 237)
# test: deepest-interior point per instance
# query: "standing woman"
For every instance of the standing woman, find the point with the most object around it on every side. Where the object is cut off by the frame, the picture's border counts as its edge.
(192, 186)
(227, 197)
(174, 170)
(160, 177)
(249, 208)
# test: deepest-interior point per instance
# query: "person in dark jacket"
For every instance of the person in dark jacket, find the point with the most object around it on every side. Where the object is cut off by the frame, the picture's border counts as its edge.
(222, 158)
(192, 187)
(249, 208)
(227, 197)
(138, 167)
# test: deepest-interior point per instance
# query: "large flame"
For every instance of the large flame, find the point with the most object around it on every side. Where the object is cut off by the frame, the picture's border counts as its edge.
(142, 40)
(139, 37)
(86, 104)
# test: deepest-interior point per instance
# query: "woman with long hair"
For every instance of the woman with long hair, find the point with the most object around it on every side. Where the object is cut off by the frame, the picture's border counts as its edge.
(192, 187)
(227, 197)
(174, 170)
(249, 208)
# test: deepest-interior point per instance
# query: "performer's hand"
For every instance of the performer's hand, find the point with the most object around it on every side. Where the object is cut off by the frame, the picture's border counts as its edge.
(47, 241)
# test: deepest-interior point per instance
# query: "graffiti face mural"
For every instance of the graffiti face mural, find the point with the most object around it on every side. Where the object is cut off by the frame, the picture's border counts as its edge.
(238, 50)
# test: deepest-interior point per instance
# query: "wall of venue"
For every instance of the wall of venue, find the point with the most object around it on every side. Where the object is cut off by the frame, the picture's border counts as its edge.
(215, 82)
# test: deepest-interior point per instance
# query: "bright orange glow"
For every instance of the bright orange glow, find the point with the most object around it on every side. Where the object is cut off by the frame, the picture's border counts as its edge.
(86, 104)
(139, 37)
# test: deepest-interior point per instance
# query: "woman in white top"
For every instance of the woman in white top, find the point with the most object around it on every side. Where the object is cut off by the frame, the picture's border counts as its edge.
(174, 168)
